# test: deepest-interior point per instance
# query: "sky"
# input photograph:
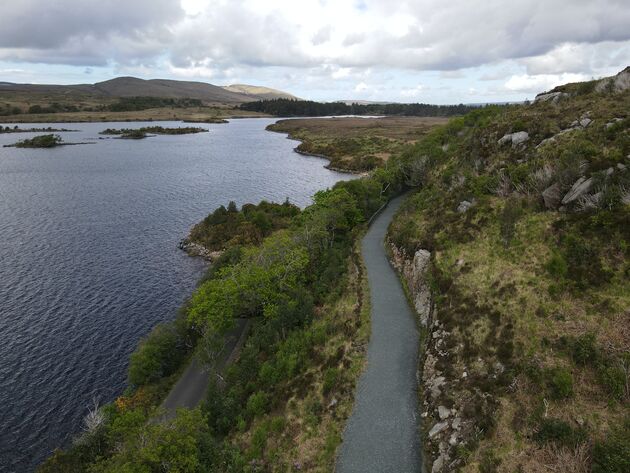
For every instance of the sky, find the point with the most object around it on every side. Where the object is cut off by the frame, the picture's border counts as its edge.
(432, 51)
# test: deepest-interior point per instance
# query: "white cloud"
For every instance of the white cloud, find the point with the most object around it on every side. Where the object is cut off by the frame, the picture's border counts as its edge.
(541, 82)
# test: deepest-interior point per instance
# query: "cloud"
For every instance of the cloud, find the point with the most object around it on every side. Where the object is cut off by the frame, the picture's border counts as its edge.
(541, 82)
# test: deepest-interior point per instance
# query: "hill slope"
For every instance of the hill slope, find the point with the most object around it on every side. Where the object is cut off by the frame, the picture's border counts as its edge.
(258, 92)
(161, 88)
(515, 251)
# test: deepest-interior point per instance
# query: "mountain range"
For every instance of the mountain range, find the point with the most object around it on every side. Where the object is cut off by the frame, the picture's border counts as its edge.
(162, 88)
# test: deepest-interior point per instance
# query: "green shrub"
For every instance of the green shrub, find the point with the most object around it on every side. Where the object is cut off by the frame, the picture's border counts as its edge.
(613, 379)
(584, 350)
(157, 356)
(257, 403)
(330, 379)
(557, 266)
(559, 383)
(612, 455)
(559, 432)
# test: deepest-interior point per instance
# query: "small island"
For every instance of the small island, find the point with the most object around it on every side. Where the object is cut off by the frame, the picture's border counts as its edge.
(139, 133)
(42, 141)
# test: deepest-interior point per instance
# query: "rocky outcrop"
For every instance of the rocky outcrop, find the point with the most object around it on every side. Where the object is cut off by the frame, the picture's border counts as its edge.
(615, 84)
(579, 188)
(552, 97)
(516, 139)
(415, 272)
(444, 427)
(195, 249)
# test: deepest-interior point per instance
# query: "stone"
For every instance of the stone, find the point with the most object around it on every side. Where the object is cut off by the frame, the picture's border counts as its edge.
(453, 439)
(438, 464)
(463, 206)
(516, 138)
(610, 171)
(552, 97)
(551, 196)
(584, 122)
(615, 84)
(457, 422)
(443, 412)
(612, 123)
(579, 188)
(437, 428)
(621, 167)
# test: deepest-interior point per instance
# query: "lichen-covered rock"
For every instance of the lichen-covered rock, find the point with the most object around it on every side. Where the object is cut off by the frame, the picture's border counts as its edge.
(579, 188)
(615, 84)
(552, 97)
(516, 138)
(463, 206)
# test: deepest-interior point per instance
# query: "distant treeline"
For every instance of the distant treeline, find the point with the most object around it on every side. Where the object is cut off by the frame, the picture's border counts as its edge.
(134, 104)
(307, 108)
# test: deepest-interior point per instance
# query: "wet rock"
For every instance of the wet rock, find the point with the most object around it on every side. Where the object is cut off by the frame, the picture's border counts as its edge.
(551, 196)
(437, 428)
(463, 206)
(579, 188)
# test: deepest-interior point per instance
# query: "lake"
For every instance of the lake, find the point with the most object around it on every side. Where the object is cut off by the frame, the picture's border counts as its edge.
(89, 260)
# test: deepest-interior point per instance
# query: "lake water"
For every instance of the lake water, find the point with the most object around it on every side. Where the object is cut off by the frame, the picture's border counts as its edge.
(89, 260)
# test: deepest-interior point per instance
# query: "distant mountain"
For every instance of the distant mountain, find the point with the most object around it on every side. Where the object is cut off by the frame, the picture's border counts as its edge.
(259, 92)
(162, 88)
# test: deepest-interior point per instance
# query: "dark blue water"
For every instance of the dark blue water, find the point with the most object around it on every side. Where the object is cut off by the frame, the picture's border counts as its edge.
(89, 263)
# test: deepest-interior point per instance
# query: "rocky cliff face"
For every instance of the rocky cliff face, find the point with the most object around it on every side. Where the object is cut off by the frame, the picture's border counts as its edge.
(444, 426)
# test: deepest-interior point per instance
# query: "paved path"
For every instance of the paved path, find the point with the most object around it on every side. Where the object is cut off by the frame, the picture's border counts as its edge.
(382, 433)
(191, 387)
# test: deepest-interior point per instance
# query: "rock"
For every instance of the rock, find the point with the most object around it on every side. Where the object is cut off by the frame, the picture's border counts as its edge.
(464, 375)
(437, 428)
(443, 412)
(457, 422)
(453, 439)
(552, 97)
(579, 188)
(610, 172)
(584, 122)
(516, 139)
(621, 167)
(613, 122)
(438, 464)
(551, 196)
(615, 84)
(463, 206)
(435, 386)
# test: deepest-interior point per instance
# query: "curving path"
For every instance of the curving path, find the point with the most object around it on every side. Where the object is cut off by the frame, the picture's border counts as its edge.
(382, 434)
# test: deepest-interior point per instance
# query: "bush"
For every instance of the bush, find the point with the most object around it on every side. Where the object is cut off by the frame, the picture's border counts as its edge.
(584, 350)
(559, 432)
(557, 266)
(560, 383)
(330, 379)
(42, 141)
(157, 356)
(257, 403)
(612, 455)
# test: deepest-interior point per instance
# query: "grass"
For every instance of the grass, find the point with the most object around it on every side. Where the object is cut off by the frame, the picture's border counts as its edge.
(356, 144)
(542, 292)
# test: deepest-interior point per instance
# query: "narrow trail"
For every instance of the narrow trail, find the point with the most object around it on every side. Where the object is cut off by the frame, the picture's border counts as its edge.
(382, 434)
